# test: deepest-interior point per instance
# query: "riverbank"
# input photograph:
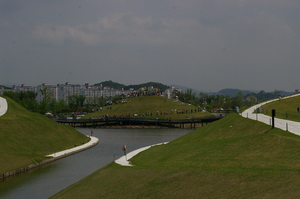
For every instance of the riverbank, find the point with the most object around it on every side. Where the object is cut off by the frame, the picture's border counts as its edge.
(27, 137)
(53, 157)
(239, 157)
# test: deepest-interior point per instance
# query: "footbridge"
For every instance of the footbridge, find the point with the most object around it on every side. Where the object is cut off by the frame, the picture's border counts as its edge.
(177, 123)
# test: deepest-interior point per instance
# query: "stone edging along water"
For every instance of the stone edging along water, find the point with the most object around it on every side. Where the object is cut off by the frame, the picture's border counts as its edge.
(52, 157)
(55, 156)
(124, 159)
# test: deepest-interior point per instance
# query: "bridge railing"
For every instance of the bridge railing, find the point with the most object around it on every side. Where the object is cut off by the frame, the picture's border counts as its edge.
(150, 120)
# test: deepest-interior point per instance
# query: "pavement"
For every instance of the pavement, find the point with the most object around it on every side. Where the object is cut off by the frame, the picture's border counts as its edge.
(68, 152)
(124, 159)
(3, 106)
(286, 125)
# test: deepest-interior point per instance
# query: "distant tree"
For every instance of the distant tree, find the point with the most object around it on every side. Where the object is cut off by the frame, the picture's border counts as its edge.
(203, 98)
(189, 96)
(13, 95)
(100, 101)
(239, 100)
(44, 107)
(46, 94)
(111, 84)
(25, 98)
(76, 101)
(251, 99)
(276, 93)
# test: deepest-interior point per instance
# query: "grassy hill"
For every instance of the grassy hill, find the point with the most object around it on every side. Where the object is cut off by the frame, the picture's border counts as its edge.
(285, 108)
(233, 157)
(147, 107)
(26, 137)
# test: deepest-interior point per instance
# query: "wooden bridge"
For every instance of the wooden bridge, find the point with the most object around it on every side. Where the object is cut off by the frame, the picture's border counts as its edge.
(179, 123)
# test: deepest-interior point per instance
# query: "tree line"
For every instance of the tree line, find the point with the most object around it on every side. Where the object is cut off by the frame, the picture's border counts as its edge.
(58, 108)
(216, 101)
(76, 103)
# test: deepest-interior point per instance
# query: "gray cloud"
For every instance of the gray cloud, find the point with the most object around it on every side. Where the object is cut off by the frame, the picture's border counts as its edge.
(201, 44)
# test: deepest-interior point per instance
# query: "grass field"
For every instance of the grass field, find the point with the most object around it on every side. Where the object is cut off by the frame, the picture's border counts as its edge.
(285, 108)
(151, 107)
(25, 137)
(233, 157)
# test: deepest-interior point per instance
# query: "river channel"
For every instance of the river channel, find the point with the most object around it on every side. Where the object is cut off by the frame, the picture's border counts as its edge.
(49, 179)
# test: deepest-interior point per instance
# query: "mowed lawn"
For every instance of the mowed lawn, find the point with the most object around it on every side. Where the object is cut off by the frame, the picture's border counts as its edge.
(285, 108)
(26, 137)
(233, 157)
(151, 107)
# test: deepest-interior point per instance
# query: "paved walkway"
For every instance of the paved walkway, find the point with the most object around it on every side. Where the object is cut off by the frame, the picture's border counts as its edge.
(287, 125)
(67, 152)
(124, 159)
(3, 106)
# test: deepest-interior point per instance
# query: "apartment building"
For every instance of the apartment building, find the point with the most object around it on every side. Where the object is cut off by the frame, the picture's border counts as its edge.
(25, 88)
(53, 88)
(63, 91)
(68, 89)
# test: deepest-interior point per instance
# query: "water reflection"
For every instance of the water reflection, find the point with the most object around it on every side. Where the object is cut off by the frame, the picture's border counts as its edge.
(49, 179)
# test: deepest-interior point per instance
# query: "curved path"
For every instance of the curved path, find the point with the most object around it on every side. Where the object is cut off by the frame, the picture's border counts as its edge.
(67, 152)
(124, 159)
(3, 106)
(287, 125)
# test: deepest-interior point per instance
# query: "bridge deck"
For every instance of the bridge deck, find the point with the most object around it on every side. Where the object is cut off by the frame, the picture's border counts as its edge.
(134, 121)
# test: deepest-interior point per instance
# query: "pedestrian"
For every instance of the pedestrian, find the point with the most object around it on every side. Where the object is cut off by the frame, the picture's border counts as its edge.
(92, 132)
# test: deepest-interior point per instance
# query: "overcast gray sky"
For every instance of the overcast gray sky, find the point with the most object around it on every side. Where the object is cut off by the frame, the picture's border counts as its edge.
(202, 44)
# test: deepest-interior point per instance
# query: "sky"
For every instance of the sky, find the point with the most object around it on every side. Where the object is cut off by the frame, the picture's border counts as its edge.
(206, 45)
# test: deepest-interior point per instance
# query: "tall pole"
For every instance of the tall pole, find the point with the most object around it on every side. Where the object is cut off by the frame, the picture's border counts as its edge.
(273, 117)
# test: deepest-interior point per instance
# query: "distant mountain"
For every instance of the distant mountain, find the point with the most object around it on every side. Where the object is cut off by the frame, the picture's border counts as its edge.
(5, 87)
(260, 95)
(184, 88)
(232, 92)
(111, 84)
(116, 85)
(162, 87)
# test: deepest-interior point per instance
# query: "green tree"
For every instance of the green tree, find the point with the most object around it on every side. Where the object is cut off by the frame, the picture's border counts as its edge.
(100, 101)
(46, 94)
(76, 101)
(239, 100)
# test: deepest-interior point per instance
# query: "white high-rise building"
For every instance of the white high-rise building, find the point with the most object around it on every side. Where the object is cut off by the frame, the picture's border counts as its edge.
(53, 88)
(66, 90)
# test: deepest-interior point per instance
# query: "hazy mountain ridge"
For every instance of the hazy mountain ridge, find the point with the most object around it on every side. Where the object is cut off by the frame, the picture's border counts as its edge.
(116, 85)
(227, 91)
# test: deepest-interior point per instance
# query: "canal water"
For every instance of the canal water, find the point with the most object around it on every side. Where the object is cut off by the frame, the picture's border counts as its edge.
(49, 179)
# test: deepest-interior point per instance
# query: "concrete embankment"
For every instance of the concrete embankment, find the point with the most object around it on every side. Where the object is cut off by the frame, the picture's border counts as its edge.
(124, 159)
(53, 157)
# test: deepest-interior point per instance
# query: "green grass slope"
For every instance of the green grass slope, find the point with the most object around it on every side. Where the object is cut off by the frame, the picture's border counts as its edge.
(285, 108)
(25, 137)
(147, 107)
(233, 157)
